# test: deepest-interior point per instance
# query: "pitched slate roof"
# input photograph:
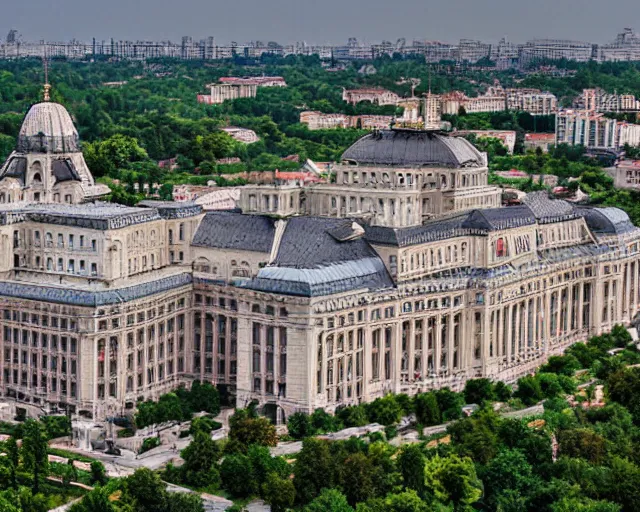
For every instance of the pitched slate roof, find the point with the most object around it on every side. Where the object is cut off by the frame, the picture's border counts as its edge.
(429, 232)
(230, 230)
(414, 148)
(310, 261)
(548, 210)
(496, 219)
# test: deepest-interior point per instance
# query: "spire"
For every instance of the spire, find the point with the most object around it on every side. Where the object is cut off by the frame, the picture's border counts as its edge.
(47, 86)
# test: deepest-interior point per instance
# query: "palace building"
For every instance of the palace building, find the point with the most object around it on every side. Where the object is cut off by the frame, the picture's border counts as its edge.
(402, 274)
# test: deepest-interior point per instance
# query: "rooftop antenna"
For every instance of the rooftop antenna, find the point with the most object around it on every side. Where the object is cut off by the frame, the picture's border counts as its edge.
(47, 85)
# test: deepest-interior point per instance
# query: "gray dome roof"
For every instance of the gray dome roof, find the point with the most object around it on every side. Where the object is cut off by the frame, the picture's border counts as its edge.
(607, 221)
(47, 127)
(414, 148)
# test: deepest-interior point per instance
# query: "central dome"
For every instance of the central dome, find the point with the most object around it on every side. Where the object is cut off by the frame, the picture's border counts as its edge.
(414, 148)
(47, 128)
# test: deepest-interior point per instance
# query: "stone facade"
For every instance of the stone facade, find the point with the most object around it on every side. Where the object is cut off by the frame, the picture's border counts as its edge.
(402, 275)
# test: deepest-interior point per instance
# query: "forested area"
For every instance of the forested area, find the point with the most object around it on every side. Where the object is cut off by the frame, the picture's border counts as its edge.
(154, 115)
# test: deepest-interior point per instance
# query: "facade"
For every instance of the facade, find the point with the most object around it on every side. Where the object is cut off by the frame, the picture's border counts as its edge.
(402, 275)
(594, 130)
(497, 99)
(543, 141)
(533, 101)
(374, 95)
(626, 174)
(556, 49)
(219, 93)
(508, 137)
(320, 121)
(598, 100)
(231, 88)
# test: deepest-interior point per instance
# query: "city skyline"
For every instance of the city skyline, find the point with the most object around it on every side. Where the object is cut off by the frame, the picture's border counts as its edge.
(333, 22)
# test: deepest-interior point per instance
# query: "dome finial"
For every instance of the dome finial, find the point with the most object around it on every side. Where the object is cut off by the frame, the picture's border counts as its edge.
(47, 86)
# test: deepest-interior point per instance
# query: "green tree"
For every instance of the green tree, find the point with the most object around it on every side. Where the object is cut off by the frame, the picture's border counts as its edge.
(278, 492)
(94, 501)
(385, 410)
(299, 425)
(478, 391)
(204, 397)
(508, 471)
(34, 451)
(98, 473)
(313, 469)
(145, 491)
(411, 462)
(246, 431)
(236, 472)
(502, 391)
(427, 409)
(453, 479)
(13, 456)
(184, 502)
(107, 157)
(357, 478)
(330, 500)
(529, 390)
(200, 467)
(449, 403)
(582, 442)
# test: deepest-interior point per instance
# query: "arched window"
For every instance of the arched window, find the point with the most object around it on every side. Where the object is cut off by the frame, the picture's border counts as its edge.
(501, 248)
(37, 178)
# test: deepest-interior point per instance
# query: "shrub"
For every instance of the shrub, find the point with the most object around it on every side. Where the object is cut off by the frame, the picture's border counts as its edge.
(299, 425)
(149, 443)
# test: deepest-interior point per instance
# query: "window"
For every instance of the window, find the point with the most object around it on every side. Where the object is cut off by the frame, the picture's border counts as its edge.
(60, 240)
(501, 248)
(181, 232)
(60, 265)
(94, 269)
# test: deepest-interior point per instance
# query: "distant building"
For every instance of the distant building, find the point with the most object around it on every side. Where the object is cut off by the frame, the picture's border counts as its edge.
(210, 198)
(556, 49)
(507, 137)
(241, 134)
(320, 121)
(259, 81)
(539, 140)
(232, 88)
(453, 101)
(594, 130)
(375, 95)
(598, 100)
(533, 101)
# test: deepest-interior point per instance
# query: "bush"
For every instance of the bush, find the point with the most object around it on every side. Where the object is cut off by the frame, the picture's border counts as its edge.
(385, 410)
(299, 425)
(478, 391)
(149, 443)
(57, 426)
(427, 410)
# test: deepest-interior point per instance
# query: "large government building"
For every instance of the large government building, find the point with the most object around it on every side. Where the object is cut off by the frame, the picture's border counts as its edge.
(402, 274)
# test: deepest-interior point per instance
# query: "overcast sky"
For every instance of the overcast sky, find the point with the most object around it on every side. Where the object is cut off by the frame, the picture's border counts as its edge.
(318, 21)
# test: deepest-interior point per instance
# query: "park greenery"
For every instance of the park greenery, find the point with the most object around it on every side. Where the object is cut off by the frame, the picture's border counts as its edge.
(153, 114)
(179, 405)
(579, 453)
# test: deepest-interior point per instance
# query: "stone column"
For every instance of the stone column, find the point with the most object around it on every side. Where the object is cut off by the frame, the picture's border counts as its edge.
(437, 351)
(509, 321)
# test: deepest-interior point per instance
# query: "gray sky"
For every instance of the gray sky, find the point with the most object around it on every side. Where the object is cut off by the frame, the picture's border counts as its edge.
(318, 21)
